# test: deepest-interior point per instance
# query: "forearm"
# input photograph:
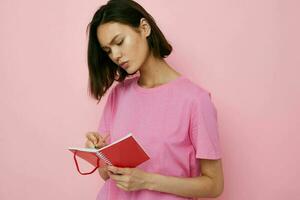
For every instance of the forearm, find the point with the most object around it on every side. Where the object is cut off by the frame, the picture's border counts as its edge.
(103, 173)
(202, 186)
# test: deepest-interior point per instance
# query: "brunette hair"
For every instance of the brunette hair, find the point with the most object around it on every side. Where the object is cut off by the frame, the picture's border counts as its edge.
(102, 70)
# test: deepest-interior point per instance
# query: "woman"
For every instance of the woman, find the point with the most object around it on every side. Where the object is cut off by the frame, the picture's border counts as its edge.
(173, 118)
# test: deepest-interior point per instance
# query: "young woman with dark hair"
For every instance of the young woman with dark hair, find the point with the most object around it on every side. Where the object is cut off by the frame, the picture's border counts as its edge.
(173, 118)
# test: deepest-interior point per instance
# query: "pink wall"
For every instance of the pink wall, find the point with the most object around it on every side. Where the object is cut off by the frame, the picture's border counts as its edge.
(244, 52)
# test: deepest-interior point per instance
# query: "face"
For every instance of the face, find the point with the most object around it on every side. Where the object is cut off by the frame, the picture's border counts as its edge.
(124, 44)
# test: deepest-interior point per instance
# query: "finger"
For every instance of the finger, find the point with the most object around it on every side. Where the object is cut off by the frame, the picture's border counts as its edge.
(102, 141)
(100, 145)
(109, 173)
(119, 185)
(118, 178)
(104, 138)
(92, 141)
(95, 137)
(119, 170)
(89, 134)
(113, 173)
(92, 138)
(89, 144)
(112, 169)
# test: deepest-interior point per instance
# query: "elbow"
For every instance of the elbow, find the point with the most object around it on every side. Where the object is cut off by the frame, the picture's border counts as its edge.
(218, 189)
(214, 189)
(217, 194)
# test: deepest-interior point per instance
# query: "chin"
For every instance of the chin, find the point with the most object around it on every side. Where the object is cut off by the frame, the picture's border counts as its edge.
(130, 71)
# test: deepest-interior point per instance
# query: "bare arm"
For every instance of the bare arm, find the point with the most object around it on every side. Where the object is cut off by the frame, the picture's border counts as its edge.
(103, 173)
(210, 184)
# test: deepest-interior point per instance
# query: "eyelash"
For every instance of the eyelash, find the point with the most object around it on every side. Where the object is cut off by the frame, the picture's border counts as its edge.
(117, 44)
(120, 42)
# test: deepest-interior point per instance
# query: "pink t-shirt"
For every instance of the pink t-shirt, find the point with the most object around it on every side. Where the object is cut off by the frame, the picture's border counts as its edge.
(176, 123)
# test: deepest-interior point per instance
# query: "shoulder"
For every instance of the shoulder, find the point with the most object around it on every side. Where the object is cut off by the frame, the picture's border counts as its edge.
(200, 99)
(124, 85)
(120, 87)
(116, 91)
(193, 90)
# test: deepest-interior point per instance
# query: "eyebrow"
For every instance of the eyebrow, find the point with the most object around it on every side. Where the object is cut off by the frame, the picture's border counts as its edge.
(112, 40)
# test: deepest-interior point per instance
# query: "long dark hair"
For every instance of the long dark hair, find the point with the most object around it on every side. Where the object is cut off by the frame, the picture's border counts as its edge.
(102, 70)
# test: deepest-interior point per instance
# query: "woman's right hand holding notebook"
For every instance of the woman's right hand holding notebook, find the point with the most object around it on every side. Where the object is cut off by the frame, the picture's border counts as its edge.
(95, 140)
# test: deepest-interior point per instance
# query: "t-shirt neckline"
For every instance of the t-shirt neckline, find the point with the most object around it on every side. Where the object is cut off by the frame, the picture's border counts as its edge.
(157, 88)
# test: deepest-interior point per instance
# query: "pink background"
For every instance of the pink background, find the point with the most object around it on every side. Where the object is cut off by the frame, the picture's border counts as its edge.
(244, 52)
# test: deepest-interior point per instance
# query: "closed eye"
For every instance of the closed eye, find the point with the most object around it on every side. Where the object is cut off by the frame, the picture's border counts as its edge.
(108, 52)
(120, 42)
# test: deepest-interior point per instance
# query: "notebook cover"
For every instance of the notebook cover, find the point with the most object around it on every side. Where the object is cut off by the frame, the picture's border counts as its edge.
(125, 153)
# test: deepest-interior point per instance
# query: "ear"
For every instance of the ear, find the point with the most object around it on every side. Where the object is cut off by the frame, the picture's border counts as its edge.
(145, 27)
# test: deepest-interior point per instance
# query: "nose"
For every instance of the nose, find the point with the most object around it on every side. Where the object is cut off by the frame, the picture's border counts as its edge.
(116, 55)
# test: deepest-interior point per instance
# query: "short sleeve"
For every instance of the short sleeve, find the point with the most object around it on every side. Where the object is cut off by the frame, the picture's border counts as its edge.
(105, 122)
(204, 128)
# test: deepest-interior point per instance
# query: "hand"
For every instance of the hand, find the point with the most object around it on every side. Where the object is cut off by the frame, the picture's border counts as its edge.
(128, 179)
(94, 140)
(104, 172)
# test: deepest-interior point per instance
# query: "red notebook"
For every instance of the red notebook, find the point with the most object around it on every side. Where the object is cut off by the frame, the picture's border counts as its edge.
(125, 152)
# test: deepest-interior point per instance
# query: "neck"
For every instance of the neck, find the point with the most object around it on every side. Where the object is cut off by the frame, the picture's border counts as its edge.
(156, 72)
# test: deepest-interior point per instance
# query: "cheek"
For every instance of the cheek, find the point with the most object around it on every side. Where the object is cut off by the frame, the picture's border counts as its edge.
(131, 47)
(139, 50)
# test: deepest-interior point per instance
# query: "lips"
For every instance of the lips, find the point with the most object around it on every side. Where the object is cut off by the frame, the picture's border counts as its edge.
(124, 64)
